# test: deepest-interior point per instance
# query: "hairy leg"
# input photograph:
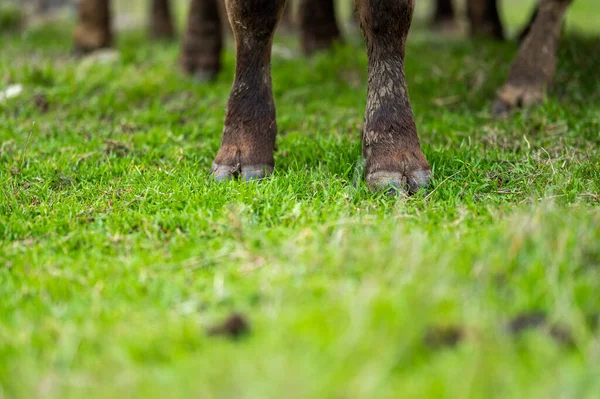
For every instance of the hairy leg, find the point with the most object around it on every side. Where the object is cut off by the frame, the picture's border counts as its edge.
(534, 66)
(202, 40)
(250, 125)
(93, 29)
(390, 143)
(318, 25)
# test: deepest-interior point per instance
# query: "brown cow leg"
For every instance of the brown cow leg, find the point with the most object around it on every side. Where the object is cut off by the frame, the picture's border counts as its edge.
(443, 14)
(319, 29)
(161, 23)
(484, 19)
(390, 143)
(93, 29)
(202, 40)
(250, 126)
(533, 68)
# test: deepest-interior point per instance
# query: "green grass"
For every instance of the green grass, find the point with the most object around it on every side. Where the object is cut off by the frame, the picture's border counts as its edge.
(117, 252)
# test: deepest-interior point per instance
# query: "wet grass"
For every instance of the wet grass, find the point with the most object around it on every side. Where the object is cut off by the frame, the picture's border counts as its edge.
(118, 254)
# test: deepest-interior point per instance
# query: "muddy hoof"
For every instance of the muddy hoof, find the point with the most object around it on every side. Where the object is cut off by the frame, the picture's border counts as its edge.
(248, 173)
(398, 183)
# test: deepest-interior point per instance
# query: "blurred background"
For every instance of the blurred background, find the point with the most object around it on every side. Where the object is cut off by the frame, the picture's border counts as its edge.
(583, 15)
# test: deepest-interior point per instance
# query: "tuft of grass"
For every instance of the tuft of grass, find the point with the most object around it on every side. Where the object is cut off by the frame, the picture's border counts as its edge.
(120, 259)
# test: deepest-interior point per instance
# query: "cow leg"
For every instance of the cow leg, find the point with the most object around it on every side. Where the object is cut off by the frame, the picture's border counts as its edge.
(443, 14)
(250, 126)
(484, 19)
(93, 29)
(390, 143)
(533, 68)
(318, 26)
(161, 23)
(202, 40)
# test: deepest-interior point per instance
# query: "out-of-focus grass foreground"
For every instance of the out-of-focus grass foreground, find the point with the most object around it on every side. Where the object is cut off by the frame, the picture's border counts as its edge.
(120, 257)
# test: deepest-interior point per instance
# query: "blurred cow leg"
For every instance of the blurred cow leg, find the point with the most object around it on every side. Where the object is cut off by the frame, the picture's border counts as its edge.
(93, 29)
(161, 22)
(534, 66)
(318, 25)
(484, 19)
(443, 14)
(202, 40)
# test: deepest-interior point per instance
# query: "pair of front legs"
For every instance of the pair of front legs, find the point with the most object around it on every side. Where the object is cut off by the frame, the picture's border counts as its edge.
(390, 143)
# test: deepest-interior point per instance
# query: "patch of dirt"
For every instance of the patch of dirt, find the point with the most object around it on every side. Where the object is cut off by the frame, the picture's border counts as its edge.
(41, 102)
(234, 327)
(538, 320)
(113, 147)
(438, 337)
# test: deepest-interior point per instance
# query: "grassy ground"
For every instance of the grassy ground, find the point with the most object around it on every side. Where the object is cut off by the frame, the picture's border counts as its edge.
(117, 252)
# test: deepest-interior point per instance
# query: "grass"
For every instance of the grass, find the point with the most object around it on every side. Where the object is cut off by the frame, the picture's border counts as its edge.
(118, 253)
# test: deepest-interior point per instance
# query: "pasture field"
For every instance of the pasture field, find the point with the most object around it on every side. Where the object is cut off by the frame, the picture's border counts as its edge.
(118, 253)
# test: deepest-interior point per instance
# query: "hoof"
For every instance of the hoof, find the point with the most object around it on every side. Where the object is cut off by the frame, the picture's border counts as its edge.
(223, 172)
(256, 172)
(248, 173)
(396, 182)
